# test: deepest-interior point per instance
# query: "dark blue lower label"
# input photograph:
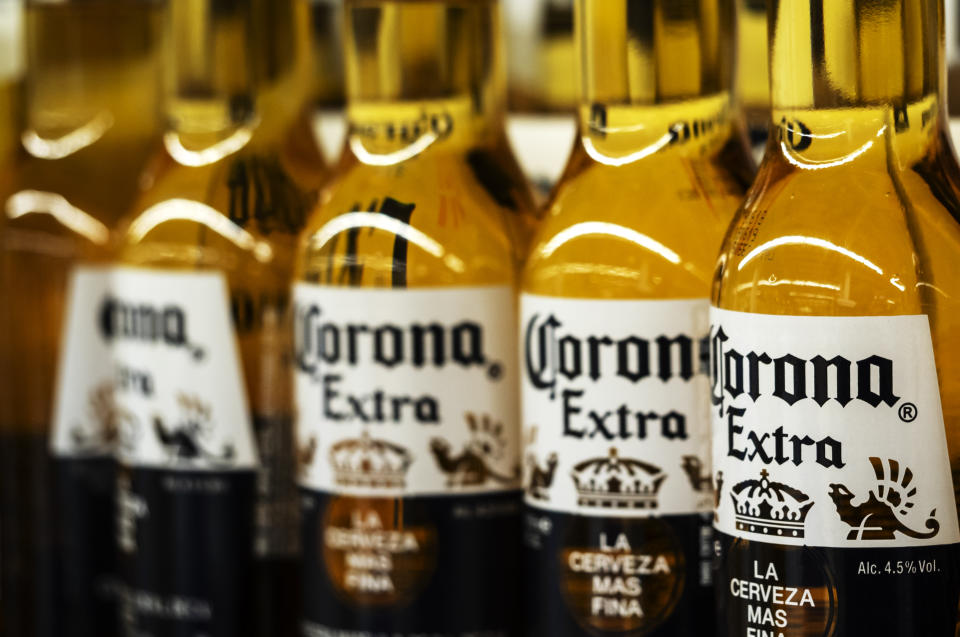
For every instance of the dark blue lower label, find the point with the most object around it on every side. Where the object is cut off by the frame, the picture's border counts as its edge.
(771, 590)
(617, 576)
(57, 542)
(84, 497)
(443, 566)
(186, 552)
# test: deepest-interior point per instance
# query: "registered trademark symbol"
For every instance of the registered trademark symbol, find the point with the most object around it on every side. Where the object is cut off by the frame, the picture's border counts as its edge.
(495, 371)
(908, 412)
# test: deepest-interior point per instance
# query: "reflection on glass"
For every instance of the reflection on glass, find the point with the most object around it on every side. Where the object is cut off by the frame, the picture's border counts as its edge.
(199, 213)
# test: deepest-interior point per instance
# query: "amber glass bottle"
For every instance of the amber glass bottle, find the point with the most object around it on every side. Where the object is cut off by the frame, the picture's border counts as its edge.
(91, 115)
(405, 338)
(835, 338)
(613, 318)
(198, 319)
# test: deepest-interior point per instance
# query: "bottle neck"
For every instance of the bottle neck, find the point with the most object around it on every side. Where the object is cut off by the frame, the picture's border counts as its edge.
(94, 75)
(855, 80)
(238, 75)
(423, 76)
(655, 77)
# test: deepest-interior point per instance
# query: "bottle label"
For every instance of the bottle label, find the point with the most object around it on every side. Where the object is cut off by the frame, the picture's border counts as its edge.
(404, 393)
(616, 465)
(85, 417)
(409, 458)
(86, 423)
(188, 457)
(828, 432)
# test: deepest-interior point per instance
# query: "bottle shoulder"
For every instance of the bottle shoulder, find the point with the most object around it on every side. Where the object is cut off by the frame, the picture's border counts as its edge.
(839, 241)
(231, 214)
(646, 230)
(67, 207)
(442, 219)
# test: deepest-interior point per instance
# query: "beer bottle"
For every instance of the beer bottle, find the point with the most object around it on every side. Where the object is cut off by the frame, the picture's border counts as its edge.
(198, 319)
(326, 19)
(405, 339)
(91, 114)
(542, 62)
(542, 89)
(614, 320)
(753, 71)
(834, 338)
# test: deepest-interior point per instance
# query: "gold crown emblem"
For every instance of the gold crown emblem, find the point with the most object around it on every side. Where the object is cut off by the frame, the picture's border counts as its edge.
(770, 508)
(612, 482)
(370, 462)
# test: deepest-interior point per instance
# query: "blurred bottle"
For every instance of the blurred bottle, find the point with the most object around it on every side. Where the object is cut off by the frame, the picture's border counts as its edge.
(753, 70)
(326, 20)
(541, 57)
(543, 89)
(328, 81)
(198, 316)
(407, 431)
(91, 115)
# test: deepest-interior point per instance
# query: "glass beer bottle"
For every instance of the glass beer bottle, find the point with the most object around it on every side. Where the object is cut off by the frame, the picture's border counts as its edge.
(614, 319)
(91, 115)
(835, 338)
(405, 339)
(208, 530)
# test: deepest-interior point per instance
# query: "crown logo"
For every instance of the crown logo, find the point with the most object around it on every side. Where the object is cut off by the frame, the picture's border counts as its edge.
(612, 482)
(770, 508)
(369, 462)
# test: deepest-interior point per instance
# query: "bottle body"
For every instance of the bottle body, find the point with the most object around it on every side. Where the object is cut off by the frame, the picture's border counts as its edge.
(618, 491)
(90, 116)
(405, 282)
(845, 409)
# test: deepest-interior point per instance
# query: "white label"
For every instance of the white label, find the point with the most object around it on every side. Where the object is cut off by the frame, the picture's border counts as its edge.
(86, 420)
(615, 408)
(406, 392)
(829, 432)
(177, 372)
(542, 144)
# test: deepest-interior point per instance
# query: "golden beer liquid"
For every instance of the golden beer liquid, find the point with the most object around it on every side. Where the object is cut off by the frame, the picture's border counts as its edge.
(658, 170)
(426, 149)
(228, 191)
(855, 208)
(90, 118)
